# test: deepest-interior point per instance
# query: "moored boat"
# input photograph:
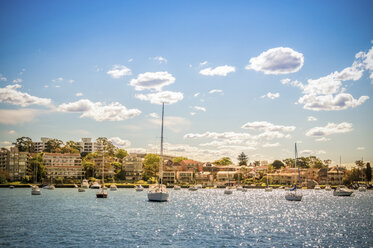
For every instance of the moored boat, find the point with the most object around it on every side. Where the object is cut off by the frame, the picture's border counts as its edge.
(177, 187)
(292, 194)
(139, 188)
(113, 187)
(35, 190)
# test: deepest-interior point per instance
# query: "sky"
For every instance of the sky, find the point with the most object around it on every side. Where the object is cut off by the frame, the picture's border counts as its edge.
(235, 76)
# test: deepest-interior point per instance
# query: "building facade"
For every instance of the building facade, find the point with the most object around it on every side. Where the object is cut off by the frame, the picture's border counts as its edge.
(14, 162)
(67, 165)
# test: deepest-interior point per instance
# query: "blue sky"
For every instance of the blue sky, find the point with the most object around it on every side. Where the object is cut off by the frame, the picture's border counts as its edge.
(241, 76)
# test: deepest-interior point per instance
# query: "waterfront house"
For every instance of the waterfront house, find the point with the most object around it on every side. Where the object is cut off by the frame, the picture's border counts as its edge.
(185, 176)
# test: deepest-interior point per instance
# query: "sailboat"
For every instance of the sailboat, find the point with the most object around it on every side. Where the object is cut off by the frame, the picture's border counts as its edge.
(292, 194)
(341, 190)
(50, 186)
(268, 189)
(139, 188)
(327, 187)
(102, 193)
(35, 190)
(158, 192)
(228, 190)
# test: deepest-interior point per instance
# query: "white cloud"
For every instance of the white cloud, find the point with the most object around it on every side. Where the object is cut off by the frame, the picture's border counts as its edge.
(214, 135)
(173, 123)
(153, 115)
(46, 86)
(329, 102)
(119, 71)
(12, 132)
(18, 116)
(58, 86)
(79, 94)
(322, 139)
(60, 79)
(215, 91)
(270, 135)
(218, 71)
(130, 60)
(152, 80)
(279, 60)
(311, 118)
(271, 95)
(193, 113)
(71, 81)
(310, 152)
(200, 108)
(267, 126)
(197, 94)
(160, 59)
(6, 143)
(360, 148)
(99, 111)
(294, 83)
(2, 78)
(11, 95)
(167, 97)
(118, 142)
(203, 63)
(18, 80)
(329, 129)
(271, 145)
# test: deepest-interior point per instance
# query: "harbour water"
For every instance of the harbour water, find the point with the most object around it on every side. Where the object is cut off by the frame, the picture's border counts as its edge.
(204, 218)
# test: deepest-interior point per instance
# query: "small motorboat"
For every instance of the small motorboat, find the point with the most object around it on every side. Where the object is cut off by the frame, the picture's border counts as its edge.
(177, 187)
(81, 189)
(193, 188)
(342, 191)
(113, 187)
(328, 188)
(11, 187)
(362, 189)
(35, 190)
(102, 193)
(317, 187)
(139, 188)
(95, 185)
(228, 191)
(49, 186)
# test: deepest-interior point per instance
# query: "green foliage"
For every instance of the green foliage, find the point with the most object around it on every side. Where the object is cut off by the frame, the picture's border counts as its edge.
(89, 168)
(26, 179)
(121, 154)
(53, 146)
(359, 163)
(71, 147)
(178, 159)
(151, 166)
(277, 164)
(4, 176)
(223, 161)
(37, 168)
(59, 180)
(290, 162)
(315, 162)
(368, 172)
(351, 176)
(92, 179)
(117, 166)
(107, 146)
(24, 144)
(242, 158)
(257, 163)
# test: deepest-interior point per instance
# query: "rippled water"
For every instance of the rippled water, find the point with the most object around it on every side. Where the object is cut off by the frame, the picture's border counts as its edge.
(205, 218)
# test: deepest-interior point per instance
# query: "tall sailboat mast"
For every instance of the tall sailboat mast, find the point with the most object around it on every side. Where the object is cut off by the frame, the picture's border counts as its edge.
(161, 155)
(296, 163)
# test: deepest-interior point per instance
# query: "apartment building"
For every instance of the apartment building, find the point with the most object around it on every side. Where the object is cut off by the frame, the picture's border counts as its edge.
(14, 162)
(66, 165)
(133, 168)
(185, 176)
(41, 145)
(169, 177)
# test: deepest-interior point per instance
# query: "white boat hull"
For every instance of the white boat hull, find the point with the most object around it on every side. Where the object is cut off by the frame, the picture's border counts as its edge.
(362, 189)
(158, 196)
(36, 192)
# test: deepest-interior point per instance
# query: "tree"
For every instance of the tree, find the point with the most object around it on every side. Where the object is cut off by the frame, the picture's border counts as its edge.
(256, 163)
(178, 159)
(223, 161)
(277, 164)
(314, 162)
(242, 158)
(327, 162)
(71, 147)
(36, 168)
(151, 166)
(359, 163)
(4, 176)
(351, 176)
(121, 154)
(290, 162)
(53, 146)
(106, 146)
(368, 172)
(24, 144)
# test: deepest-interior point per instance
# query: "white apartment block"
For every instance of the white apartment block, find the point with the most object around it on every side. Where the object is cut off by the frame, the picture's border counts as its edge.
(41, 145)
(67, 165)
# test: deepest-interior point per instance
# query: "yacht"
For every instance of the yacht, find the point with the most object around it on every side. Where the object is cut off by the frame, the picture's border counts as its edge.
(113, 187)
(362, 189)
(95, 185)
(49, 186)
(228, 190)
(85, 184)
(158, 192)
(199, 186)
(81, 189)
(317, 187)
(35, 190)
(102, 193)
(193, 188)
(341, 190)
(177, 187)
(292, 194)
(328, 188)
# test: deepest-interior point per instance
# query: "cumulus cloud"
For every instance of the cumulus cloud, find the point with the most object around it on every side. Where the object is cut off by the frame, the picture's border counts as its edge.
(294, 83)
(279, 60)
(152, 80)
(218, 71)
(57, 80)
(79, 94)
(160, 59)
(329, 129)
(153, 115)
(18, 80)
(119, 71)
(11, 95)
(200, 108)
(18, 116)
(271, 95)
(360, 148)
(267, 126)
(215, 91)
(196, 94)
(329, 102)
(99, 111)
(121, 143)
(12, 132)
(71, 81)
(203, 63)
(310, 152)
(167, 97)
(322, 139)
